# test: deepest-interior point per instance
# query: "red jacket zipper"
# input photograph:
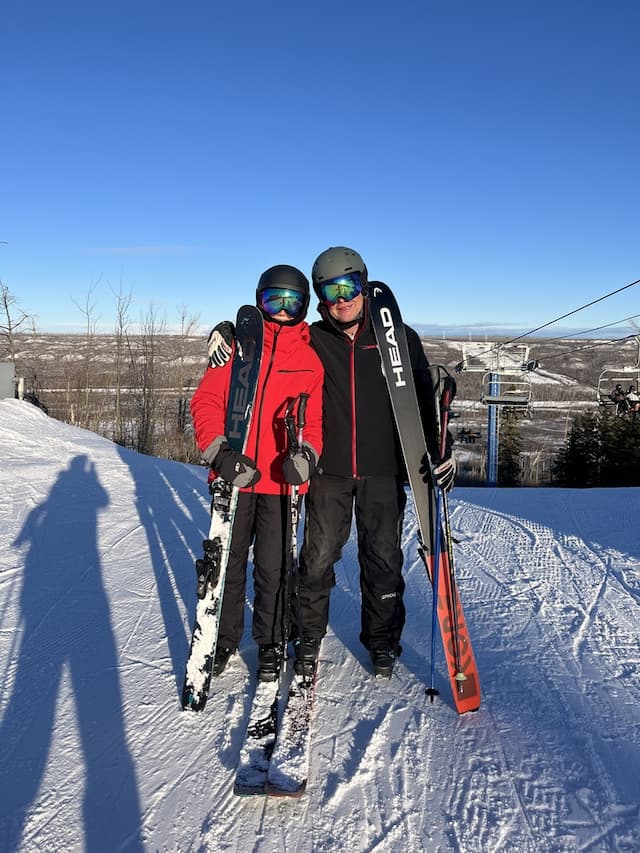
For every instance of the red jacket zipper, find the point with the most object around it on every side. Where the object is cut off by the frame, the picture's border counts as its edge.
(264, 385)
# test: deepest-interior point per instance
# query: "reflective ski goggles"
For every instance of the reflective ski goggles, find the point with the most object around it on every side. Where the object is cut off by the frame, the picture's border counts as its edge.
(276, 299)
(345, 287)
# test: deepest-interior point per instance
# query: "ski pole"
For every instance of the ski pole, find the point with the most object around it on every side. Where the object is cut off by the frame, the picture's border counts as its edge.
(447, 396)
(294, 427)
(431, 690)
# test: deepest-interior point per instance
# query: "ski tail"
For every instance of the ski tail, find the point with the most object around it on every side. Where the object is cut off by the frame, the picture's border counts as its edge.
(458, 651)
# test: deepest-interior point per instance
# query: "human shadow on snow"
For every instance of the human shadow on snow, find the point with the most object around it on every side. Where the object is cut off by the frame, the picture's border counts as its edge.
(175, 519)
(67, 632)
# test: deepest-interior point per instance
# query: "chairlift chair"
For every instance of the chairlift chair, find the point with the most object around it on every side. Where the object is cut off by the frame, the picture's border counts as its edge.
(511, 388)
(626, 375)
(612, 376)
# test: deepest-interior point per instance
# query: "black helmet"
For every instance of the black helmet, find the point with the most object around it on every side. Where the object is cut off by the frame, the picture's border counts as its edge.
(283, 275)
(337, 261)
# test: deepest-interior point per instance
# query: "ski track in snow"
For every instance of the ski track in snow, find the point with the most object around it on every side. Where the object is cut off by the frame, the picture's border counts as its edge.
(97, 591)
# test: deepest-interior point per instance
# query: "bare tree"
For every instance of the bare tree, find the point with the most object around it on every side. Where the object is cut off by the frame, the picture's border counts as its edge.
(181, 444)
(146, 370)
(121, 435)
(85, 410)
(12, 318)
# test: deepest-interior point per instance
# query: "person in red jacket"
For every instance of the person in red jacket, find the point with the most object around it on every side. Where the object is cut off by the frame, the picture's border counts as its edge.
(266, 472)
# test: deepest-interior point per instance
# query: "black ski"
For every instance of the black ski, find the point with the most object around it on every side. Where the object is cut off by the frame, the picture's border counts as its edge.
(211, 569)
(289, 765)
(396, 365)
(259, 741)
(274, 758)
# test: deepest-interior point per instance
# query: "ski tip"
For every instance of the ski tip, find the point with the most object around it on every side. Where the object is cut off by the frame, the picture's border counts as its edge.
(193, 702)
(294, 793)
(249, 790)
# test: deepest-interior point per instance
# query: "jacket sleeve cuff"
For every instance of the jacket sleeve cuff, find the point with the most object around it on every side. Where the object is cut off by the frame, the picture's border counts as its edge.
(316, 455)
(210, 453)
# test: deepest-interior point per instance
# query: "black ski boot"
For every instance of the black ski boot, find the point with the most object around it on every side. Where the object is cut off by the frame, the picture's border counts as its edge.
(306, 652)
(383, 659)
(221, 659)
(269, 660)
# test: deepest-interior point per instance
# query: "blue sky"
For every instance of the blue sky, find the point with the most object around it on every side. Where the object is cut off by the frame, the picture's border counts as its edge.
(481, 156)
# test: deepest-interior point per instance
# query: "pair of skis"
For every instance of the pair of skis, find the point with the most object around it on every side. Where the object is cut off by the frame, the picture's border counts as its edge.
(274, 758)
(430, 503)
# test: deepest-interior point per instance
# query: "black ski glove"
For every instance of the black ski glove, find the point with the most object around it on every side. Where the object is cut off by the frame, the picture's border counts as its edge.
(298, 467)
(235, 467)
(220, 342)
(444, 471)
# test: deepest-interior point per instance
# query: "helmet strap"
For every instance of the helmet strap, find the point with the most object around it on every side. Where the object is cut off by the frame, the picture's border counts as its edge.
(341, 327)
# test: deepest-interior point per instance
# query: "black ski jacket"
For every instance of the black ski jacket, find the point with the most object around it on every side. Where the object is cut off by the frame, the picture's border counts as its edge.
(359, 433)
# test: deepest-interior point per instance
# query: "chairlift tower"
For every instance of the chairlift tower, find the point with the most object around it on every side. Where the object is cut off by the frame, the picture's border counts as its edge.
(505, 382)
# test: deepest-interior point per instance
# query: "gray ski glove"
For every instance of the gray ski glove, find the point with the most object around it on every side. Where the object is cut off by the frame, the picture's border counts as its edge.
(220, 342)
(298, 467)
(235, 467)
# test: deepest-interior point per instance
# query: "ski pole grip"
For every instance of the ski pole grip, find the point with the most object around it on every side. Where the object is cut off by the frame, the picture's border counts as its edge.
(444, 408)
(302, 408)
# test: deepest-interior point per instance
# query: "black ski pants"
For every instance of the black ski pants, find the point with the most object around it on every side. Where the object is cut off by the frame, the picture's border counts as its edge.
(265, 521)
(378, 504)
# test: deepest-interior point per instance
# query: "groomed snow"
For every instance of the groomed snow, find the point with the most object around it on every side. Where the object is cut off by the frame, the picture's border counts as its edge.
(97, 590)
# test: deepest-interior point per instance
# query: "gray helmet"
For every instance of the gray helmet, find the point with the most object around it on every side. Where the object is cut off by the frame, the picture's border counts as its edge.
(283, 275)
(337, 261)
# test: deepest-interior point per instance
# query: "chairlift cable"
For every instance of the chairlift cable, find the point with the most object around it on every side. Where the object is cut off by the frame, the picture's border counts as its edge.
(496, 347)
(575, 311)
(595, 329)
(587, 346)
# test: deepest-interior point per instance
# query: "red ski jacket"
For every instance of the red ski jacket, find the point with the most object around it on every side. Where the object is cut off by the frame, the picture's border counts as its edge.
(289, 366)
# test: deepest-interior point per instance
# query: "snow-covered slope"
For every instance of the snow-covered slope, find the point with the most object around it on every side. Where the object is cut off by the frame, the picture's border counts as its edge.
(97, 589)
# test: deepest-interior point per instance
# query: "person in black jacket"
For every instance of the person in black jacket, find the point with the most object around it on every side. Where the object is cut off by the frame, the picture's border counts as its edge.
(360, 470)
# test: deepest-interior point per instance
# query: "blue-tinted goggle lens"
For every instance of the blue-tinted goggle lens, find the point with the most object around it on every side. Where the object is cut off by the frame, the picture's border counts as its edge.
(276, 299)
(345, 287)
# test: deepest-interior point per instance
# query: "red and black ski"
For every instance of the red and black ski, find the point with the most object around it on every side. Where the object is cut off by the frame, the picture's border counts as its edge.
(396, 365)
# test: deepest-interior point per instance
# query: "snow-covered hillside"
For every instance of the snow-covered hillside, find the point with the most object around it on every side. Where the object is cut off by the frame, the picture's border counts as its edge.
(97, 590)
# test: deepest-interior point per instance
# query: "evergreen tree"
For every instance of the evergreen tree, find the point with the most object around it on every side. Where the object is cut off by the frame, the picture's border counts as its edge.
(509, 450)
(601, 450)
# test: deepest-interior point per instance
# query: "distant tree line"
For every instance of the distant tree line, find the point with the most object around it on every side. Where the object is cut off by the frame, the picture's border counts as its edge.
(132, 386)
